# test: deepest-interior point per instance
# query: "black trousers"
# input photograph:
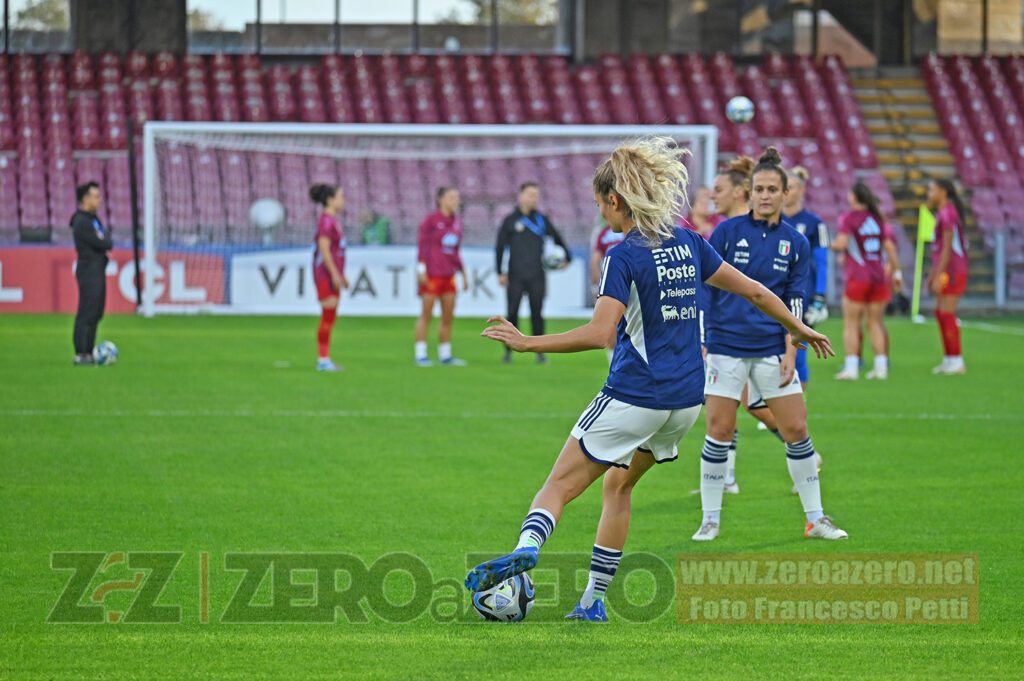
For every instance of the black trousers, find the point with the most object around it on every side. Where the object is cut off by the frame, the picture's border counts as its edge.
(92, 298)
(534, 288)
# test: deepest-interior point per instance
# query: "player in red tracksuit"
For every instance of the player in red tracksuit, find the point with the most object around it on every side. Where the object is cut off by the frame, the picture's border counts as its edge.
(440, 236)
(948, 279)
(865, 238)
(328, 266)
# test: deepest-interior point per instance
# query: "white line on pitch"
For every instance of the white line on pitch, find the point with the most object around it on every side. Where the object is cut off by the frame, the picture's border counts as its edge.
(994, 328)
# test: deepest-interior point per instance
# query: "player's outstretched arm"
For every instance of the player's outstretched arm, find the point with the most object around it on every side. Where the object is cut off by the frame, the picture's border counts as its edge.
(599, 332)
(728, 278)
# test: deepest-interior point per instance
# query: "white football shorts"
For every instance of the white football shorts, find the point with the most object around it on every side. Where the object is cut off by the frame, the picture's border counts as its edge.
(727, 375)
(610, 431)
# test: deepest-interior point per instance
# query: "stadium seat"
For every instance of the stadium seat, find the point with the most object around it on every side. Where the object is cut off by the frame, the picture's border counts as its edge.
(80, 71)
(767, 120)
(136, 65)
(140, 101)
(169, 105)
(234, 170)
(177, 176)
(116, 190)
(9, 197)
(300, 212)
(164, 65)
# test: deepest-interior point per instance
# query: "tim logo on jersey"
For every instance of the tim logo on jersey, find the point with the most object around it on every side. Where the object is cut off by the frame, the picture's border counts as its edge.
(664, 256)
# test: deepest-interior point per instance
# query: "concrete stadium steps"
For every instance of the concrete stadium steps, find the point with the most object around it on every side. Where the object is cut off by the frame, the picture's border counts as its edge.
(912, 150)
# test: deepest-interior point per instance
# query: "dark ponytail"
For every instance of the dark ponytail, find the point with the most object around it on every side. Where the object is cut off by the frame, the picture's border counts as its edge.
(322, 193)
(867, 197)
(771, 160)
(947, 186)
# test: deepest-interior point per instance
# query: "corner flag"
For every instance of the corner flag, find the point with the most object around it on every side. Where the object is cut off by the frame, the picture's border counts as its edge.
(925, 234)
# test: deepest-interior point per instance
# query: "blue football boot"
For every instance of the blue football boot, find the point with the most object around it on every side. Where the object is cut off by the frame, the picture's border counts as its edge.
(486, 575)
(595, 613)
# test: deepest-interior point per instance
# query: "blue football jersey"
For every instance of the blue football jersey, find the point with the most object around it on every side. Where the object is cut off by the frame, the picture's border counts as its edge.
(816, 231)
(776, 255)
(657, 362)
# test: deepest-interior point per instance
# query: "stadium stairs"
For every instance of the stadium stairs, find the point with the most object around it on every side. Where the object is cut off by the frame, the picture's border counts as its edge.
(912, 150)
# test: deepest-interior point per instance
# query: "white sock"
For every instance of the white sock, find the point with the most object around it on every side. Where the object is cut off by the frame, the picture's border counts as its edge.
(803, 469)
(444, 351)
(730, 467)
(713, 465)
(956, 361)
(852, 364)
(881, 363)
(421, 350)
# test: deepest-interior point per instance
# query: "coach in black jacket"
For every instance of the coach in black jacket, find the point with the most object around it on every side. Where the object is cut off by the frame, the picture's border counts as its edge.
(92, 241)
(522, 233)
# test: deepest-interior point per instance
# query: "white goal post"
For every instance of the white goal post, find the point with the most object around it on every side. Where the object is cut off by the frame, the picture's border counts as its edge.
(200, 179)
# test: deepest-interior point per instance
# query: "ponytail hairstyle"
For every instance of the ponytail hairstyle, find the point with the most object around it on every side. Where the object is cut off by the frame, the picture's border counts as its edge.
(770, 160)
(739, 172)
(322, 193)
(800, 174)
(953, 195)
(864, 195)
(649, 177)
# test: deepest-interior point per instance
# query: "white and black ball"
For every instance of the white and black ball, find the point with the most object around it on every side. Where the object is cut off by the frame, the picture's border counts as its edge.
(508, 601)
(105, 353)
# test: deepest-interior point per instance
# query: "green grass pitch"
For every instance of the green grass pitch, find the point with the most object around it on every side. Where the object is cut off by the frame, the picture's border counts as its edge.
(214, 435)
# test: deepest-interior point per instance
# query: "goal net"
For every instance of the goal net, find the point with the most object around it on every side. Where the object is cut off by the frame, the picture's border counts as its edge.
(229, 223)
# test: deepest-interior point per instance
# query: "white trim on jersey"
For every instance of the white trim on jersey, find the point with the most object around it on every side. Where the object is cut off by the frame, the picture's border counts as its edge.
(824, 238)
(853, 250)
(635, 323)
(604, 275)
(957, 241)
(796, 306)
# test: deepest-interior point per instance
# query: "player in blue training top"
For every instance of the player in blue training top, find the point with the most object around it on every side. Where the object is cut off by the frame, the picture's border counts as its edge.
(816, 231)
(648, 301)
(744, 346)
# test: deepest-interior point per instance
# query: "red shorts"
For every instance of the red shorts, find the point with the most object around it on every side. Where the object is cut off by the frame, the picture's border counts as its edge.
(955, 285)
(866, 292)
(324, 289)
(438, 286)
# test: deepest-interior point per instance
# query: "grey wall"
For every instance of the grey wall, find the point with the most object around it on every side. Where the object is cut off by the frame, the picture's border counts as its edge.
(122, 25)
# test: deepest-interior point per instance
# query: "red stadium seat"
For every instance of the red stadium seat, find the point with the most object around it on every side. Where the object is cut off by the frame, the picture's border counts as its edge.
(140, 101)
(164, 64)
(60, 187)
(8, 193)
(136, 65)
(80, 71)
(236, 186)
(169, 105)
(117, 192)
